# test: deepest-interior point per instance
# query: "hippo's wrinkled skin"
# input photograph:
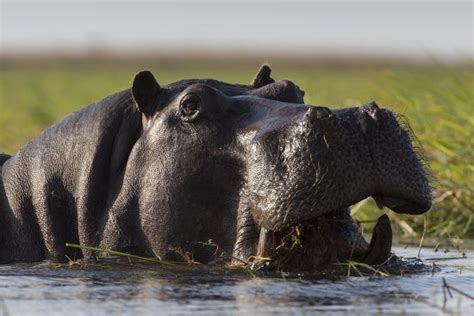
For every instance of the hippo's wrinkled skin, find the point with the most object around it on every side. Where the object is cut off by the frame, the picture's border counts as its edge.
(159, 171)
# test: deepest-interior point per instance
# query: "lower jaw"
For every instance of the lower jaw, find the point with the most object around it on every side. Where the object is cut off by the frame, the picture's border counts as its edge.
(302, 248)
(320, 243)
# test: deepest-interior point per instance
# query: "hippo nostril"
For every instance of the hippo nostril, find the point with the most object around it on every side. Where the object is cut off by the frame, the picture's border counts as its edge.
(315, 113)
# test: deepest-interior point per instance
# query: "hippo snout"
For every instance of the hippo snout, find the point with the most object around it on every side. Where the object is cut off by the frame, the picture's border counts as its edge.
(401, 182)
(315, 161)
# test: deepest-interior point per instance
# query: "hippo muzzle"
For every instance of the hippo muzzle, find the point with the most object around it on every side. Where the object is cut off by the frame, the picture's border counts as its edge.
(305, 162)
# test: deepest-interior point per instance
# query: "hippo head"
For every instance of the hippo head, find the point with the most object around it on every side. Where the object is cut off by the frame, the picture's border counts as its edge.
(209, 162)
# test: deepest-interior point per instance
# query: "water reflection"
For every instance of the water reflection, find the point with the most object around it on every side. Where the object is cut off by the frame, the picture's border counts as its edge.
(46, 291)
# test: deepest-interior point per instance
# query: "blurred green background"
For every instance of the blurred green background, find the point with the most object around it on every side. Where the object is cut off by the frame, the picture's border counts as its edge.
(437, 100)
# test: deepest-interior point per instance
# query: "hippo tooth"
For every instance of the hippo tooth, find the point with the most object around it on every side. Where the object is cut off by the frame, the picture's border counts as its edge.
(265, 243)
(380, 246)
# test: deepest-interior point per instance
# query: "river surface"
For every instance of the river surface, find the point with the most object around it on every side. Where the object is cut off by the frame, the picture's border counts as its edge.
(121, 289)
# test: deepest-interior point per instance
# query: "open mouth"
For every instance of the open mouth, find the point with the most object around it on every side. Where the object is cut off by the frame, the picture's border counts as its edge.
(332, 238)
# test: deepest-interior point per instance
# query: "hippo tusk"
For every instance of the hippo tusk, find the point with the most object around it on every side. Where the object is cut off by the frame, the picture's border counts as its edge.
(265, 243)
(380, 246)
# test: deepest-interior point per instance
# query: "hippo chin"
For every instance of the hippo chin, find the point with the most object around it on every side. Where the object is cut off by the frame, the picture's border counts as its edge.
(160, 171)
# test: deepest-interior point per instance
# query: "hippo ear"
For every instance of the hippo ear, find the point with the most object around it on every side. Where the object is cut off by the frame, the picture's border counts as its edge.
(145, 91)
(262, 78)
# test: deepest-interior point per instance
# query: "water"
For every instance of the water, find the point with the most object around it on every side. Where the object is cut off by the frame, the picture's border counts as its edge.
(124, 289)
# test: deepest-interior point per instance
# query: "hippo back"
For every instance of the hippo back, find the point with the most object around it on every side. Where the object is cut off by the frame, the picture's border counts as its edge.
(56, 188)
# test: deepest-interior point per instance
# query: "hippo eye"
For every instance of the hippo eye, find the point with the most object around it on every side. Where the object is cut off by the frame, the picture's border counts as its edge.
(189, 107)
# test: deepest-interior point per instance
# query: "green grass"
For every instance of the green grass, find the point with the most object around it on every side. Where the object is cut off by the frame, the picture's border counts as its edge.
(437, 100)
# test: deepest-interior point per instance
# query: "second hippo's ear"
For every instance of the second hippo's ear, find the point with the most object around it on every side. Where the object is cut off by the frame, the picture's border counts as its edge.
(145, 91)
(262, 78)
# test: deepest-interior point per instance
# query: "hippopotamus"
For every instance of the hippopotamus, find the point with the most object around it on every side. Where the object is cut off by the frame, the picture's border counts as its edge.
(166, 171)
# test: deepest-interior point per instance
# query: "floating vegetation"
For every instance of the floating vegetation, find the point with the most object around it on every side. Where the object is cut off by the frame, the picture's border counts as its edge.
(128, 256)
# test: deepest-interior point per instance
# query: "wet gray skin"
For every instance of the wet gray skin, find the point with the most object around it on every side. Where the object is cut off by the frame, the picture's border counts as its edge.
(193, 162)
